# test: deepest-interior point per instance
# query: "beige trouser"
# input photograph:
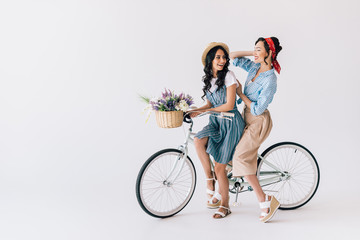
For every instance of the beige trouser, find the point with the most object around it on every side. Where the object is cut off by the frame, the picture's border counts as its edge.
(257, 129)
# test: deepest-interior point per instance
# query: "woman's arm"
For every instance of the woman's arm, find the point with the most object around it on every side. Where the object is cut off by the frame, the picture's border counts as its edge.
(239, 88)
(230, 100)
(243, 97)
(245, 100)
(197, 111)
(238, 54)
(265, 98)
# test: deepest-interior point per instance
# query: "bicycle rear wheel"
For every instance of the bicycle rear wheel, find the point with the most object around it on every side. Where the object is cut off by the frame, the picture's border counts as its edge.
(303, 172)
(156, 192)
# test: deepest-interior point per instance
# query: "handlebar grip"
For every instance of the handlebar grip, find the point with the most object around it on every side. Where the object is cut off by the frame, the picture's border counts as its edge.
(187, 118)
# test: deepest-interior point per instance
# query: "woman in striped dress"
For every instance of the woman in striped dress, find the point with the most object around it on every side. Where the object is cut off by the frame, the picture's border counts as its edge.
(220, 137)
(260, 87)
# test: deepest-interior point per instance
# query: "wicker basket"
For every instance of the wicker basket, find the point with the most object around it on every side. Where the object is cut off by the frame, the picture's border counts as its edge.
(170, 119)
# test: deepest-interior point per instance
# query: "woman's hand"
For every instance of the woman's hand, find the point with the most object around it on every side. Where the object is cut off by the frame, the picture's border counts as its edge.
(194, 113)
(239, 89)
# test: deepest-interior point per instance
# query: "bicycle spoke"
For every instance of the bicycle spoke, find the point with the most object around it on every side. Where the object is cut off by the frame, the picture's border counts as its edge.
(161, 194)
(301, 183)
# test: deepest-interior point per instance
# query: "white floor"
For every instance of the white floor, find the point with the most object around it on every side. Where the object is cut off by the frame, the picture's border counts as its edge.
(105, 212)
(93, 197)
(321, 217)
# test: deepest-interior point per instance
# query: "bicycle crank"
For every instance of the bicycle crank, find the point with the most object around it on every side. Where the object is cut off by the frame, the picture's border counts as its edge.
(238, 189)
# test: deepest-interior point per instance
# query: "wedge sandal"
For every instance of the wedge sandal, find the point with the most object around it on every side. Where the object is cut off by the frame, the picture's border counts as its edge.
(215, 195)
(272, 205)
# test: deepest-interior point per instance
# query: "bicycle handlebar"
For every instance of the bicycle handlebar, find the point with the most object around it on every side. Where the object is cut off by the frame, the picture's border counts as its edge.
(226, 115)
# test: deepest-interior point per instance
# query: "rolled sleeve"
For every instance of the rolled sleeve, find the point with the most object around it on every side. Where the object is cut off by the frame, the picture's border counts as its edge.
(265, 97)
(244, 63)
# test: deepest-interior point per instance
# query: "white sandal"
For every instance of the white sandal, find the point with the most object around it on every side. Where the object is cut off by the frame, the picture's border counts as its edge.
(210, 202)
(272, 205)
(221, 213)
(215, 195)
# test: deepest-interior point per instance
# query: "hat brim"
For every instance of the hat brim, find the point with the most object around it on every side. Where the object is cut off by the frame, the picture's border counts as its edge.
(211, 46)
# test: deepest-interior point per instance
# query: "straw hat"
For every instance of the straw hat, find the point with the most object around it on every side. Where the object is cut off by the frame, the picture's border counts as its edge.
(210, 46)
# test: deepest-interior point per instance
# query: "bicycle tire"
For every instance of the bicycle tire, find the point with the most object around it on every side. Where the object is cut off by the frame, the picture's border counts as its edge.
(182, 189)
(284, 155)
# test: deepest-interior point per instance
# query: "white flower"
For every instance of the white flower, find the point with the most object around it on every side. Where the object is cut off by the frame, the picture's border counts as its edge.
(154, 99)
(182, 106)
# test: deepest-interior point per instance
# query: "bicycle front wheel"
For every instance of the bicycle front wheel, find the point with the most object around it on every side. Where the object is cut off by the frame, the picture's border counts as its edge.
(165, 183)
(301, 169)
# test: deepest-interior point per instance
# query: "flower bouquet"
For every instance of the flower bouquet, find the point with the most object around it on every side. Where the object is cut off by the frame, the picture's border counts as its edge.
(169, 108)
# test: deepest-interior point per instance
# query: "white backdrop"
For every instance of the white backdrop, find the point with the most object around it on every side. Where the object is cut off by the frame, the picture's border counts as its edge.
(73, 136)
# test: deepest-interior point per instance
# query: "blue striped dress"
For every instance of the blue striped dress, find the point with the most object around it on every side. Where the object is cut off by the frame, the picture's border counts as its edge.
(223, 134)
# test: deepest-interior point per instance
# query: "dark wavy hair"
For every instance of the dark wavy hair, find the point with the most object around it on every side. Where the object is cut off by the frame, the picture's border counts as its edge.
(220, 82)
(267, 48)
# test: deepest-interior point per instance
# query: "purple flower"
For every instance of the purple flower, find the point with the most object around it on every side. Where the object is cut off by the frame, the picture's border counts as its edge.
(169, 101)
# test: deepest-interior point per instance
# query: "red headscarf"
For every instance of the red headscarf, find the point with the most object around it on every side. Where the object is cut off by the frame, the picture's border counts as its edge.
(272, 48)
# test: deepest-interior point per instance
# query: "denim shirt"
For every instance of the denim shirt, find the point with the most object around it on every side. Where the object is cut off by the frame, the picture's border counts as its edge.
(260, 92)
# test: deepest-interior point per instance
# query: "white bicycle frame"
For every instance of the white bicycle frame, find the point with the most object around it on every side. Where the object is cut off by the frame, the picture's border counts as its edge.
(238, 183)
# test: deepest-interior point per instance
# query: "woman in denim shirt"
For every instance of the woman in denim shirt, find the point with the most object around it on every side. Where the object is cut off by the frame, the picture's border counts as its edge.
(259, 90)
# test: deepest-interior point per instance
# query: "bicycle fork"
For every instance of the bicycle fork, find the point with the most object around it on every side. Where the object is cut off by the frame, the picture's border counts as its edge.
(180, 161)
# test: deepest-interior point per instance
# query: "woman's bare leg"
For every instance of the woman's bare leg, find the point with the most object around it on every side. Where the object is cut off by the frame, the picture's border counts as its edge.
(223, 186)
(254, 182)
(200, 146)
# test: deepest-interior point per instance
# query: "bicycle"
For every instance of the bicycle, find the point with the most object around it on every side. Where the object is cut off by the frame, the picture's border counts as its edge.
(167, 180)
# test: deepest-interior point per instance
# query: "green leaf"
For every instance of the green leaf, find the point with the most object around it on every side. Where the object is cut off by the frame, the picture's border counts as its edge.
(144, 98)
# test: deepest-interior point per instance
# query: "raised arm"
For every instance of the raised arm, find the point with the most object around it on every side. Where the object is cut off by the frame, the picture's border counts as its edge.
(238, 54)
